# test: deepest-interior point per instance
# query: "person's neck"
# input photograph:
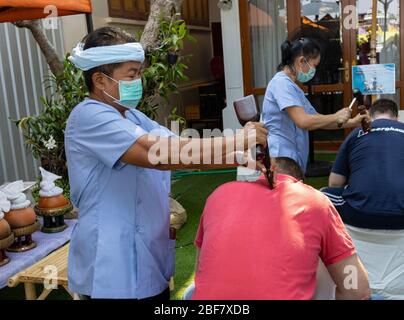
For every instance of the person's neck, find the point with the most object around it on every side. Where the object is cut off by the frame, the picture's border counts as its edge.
(384, 117)
(290, 73)
(278, 172)
(101, 98)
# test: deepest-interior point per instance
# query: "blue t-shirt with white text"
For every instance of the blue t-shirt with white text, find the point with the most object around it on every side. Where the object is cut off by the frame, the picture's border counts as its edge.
(374, 166)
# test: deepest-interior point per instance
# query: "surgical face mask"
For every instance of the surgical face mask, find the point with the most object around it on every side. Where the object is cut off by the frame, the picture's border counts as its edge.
(306, 77)
(130, 92)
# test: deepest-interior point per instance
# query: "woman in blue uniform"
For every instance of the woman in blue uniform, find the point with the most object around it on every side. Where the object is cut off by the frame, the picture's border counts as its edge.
(288, 114)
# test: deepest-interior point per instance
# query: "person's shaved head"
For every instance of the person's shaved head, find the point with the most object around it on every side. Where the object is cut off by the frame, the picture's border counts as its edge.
(288, 166)
(384, 107)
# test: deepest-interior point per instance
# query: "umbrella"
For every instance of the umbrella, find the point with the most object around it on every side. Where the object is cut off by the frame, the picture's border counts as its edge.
(320, 8)
(16, 10)
(308, 22)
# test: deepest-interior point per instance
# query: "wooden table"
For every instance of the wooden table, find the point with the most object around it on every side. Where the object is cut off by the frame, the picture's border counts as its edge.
(51, 272)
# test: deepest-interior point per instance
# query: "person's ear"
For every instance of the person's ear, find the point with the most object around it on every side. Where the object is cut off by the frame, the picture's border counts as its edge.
(99, 81)
(301, 61)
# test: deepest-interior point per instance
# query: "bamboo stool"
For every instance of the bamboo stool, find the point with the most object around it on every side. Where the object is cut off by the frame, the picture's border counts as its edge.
(37, 274)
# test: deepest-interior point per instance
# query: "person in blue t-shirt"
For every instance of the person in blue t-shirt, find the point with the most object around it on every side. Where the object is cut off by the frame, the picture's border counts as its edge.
(367, 183)
(287, 113)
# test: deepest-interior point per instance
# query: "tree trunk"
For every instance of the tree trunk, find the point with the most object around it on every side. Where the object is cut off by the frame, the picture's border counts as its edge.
(158, 8)
(46, 46)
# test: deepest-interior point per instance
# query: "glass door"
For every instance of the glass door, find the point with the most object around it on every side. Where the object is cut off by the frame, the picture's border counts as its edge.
(265, 24)
(388, 39)
(341, 27)
(330, 90)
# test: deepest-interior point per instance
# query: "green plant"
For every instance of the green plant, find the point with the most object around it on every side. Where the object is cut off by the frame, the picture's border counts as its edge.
(44, 133)
(162, 76)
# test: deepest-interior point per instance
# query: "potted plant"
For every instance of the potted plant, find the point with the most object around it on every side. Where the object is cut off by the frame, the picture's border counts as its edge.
(44, 133)
(166, 67)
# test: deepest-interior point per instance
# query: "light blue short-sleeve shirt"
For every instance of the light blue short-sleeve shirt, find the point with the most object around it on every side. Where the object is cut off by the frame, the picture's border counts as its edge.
(285, 138)
(120, 247)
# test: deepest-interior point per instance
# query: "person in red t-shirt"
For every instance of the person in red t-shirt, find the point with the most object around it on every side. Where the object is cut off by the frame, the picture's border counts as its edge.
(260, 244)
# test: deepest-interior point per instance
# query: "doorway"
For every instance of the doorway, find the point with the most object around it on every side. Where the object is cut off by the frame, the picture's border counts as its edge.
(343, 29)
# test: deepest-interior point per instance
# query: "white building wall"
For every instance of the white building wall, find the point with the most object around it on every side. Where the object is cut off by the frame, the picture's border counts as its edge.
(76, 29)
(402, 116)
(233, 63)
(234, 76)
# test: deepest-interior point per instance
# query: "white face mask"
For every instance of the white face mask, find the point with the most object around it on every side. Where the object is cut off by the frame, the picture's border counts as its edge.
(130, 92)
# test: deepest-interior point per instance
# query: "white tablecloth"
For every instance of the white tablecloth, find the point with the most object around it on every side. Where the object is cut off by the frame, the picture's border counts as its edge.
(46, 244)
(382, 253)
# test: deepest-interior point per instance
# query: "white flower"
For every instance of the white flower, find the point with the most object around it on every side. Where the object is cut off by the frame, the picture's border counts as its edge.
(50, 144)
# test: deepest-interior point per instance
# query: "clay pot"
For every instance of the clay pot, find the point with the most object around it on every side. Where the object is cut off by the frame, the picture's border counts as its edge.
(20, 218)
(52, 202)
(5, 230)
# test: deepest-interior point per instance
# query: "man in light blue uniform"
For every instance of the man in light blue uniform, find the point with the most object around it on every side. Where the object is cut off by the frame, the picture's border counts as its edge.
(286, 138)
(120, 247)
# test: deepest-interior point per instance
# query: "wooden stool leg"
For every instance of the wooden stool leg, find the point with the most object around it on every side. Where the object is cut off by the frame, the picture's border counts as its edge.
(30, 292)
(45, 293)
(73, 295)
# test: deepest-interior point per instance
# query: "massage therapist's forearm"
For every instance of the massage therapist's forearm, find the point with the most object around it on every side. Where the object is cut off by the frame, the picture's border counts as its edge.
(182, 153)
(349, 125)
(210, 153)
(311, 121)
(325, 122)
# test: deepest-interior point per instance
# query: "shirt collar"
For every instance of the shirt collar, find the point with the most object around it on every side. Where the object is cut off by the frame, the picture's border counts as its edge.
(282, 178)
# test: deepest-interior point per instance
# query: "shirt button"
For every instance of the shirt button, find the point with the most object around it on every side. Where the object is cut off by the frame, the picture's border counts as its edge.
(137, 228)
(139, 201)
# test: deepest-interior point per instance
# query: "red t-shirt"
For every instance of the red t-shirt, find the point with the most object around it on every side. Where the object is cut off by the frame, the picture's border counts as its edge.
(262, 244)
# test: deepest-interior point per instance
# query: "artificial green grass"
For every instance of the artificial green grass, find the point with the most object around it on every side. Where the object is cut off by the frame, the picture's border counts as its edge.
(321, 182)
(193, 192)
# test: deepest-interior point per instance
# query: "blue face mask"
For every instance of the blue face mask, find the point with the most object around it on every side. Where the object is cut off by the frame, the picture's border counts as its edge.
(130, 92)
(306, 77)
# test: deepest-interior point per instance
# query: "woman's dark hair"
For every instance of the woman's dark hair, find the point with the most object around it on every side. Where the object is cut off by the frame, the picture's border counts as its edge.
(106, 36)
(303, 47)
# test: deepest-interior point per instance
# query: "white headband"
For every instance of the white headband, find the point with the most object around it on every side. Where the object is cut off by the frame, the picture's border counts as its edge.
(98, 56)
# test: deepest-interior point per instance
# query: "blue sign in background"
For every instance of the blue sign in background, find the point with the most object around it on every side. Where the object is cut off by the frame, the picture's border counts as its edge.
(374, 79)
